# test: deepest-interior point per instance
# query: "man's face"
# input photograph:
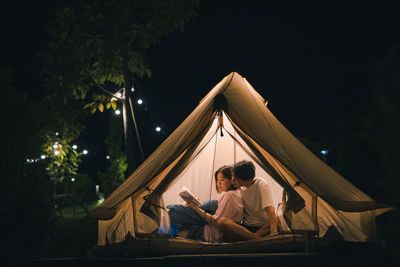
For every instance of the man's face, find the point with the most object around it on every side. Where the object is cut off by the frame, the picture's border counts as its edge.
(237, 182)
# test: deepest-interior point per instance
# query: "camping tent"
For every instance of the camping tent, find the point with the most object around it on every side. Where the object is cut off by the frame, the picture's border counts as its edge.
(232, 123)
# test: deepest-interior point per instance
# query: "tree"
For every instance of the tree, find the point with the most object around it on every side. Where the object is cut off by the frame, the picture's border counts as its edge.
(102, 44)
(380, 126)
(26, 208)
(114, 175)
(365, 135)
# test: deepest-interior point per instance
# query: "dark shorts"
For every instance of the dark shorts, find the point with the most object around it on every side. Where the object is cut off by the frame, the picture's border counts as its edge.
(252, 229)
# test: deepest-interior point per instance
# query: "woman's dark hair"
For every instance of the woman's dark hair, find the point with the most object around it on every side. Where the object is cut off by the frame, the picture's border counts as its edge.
(244, 170)
(226, 172)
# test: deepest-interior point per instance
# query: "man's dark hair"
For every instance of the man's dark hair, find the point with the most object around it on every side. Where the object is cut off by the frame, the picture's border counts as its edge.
(244, 170)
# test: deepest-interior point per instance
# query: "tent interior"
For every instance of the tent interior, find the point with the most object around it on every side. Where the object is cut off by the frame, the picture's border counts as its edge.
(220, 146)
(308, 195)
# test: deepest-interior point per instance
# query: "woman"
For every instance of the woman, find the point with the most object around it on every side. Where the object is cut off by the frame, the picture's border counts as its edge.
(230, 205)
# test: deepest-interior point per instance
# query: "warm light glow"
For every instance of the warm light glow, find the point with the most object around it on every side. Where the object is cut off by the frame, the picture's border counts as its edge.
(140, 101)
(158, 128)
(74, 146)
(85, 152)
(117, 111)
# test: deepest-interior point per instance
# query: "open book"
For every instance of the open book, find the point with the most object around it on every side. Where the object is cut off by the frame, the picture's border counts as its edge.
(189, 196)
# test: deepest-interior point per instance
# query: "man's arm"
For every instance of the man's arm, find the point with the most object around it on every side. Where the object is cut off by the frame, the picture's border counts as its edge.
(272, 226)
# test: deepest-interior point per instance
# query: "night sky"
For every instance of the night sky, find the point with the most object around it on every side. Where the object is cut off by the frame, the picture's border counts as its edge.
(297, 56)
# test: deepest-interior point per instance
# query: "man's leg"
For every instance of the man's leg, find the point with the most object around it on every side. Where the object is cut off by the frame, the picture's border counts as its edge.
(233, 231)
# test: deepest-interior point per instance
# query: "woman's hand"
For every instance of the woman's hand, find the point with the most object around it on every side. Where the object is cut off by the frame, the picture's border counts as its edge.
(192, 206)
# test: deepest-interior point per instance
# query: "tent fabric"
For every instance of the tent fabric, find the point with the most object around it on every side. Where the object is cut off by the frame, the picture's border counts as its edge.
(232, 123)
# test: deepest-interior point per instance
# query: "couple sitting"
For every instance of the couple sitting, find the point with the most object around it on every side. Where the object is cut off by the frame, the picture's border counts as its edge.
(245, 210)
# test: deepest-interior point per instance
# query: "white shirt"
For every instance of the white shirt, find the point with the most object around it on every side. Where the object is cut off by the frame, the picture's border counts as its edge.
(256, 198)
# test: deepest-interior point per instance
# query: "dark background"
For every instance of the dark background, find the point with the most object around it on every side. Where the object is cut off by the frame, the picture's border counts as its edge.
(300, 57)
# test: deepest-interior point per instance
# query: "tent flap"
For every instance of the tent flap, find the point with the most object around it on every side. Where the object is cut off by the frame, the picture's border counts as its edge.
(101, 213)
(353, 206)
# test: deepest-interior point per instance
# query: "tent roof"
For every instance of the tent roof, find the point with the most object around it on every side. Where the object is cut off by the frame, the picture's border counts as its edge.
(248, 113)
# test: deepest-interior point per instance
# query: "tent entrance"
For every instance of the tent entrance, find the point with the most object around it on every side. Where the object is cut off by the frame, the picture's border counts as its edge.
(216, 151)
(222, 145)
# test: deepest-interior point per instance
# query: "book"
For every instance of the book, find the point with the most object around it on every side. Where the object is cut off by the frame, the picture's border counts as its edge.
(189, 196)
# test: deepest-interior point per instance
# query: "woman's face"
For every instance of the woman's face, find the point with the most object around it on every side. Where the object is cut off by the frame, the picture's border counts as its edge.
(223, 183)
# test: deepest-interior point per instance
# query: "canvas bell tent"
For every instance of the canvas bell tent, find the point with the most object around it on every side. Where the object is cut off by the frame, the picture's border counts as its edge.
(232, 123)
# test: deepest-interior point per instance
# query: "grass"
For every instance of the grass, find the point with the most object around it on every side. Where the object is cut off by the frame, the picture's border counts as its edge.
(68, 212)
(70, 236)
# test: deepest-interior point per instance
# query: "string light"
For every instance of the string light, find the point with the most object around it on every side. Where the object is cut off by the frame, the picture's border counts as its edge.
(74, 147)
(140, 101)
(84, 152)
(72, 179)
(42, 156)
(324, 152)
(119, 95)
(117, 112)
(56, 153)
(107, 157)
(158, 129)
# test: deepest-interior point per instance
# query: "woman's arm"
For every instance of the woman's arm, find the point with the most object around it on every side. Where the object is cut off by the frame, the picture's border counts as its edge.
(204, 215)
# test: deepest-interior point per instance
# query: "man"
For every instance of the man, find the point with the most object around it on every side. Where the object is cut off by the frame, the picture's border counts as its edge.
(259, 212)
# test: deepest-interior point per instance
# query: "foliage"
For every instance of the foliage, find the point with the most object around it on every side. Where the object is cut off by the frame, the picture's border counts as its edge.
(69, 238)
(114, 175)
(101, 44)
(26, 208)
(366, 136)
(101, 101)
(82, 191)
(380, 126)
(63, 160)
(93, 41)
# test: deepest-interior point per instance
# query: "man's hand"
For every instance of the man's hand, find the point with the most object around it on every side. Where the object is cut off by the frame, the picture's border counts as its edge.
(273, 221)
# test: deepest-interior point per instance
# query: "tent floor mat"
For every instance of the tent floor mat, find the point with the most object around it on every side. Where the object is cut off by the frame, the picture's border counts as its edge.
(162, 245)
